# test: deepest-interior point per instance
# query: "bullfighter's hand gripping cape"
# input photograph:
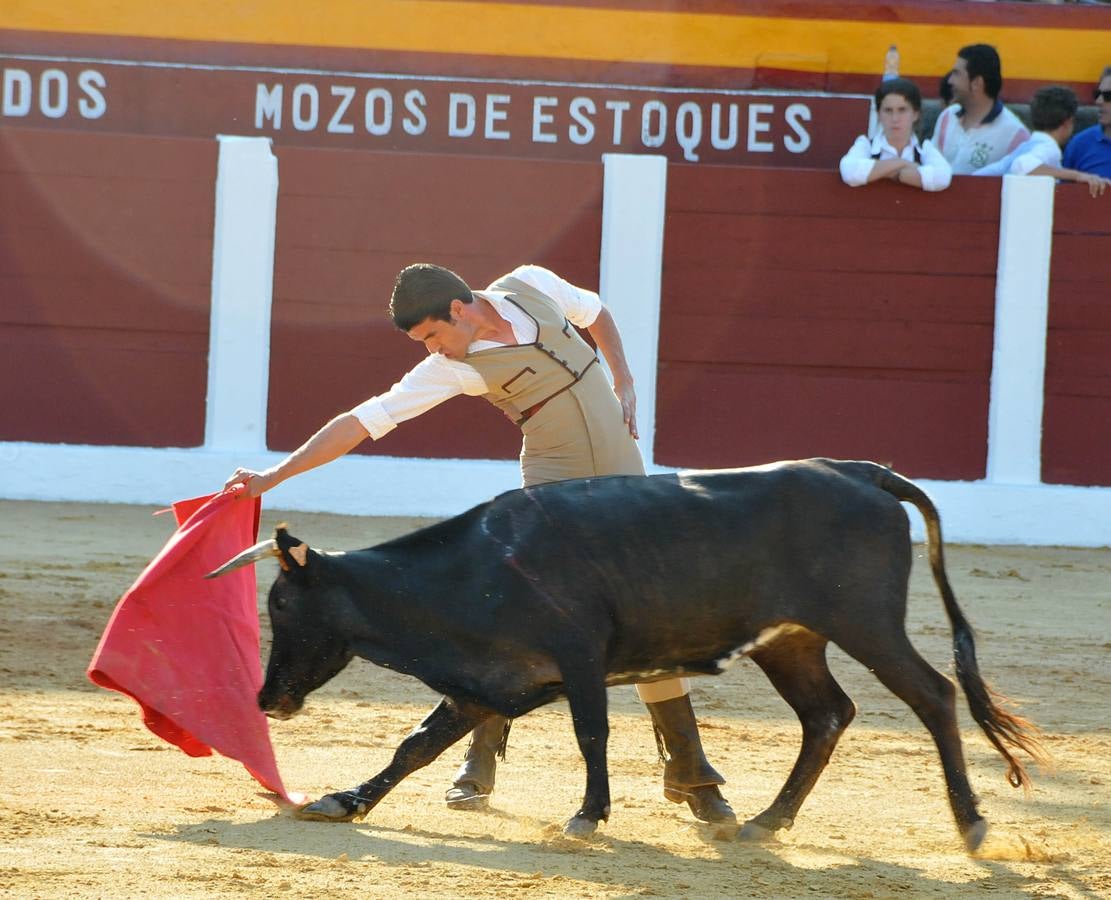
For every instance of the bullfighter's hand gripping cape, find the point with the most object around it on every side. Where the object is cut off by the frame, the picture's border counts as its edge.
(187, 649)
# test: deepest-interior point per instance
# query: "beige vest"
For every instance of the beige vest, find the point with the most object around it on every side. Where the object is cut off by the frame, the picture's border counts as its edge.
(524, 376)
(556, 391)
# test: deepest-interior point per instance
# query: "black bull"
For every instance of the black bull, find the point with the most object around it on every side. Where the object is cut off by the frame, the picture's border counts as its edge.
(563, 589)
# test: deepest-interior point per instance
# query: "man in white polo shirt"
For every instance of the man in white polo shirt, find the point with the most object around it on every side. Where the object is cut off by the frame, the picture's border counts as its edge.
(978, 129)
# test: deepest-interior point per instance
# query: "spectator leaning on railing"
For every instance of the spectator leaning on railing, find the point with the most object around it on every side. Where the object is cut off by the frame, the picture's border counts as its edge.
(1090, 151)
(1053, 114)
(895, 152)
(979, 129)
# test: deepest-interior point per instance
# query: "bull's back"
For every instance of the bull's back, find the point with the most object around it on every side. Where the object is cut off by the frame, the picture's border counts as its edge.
(703, 561)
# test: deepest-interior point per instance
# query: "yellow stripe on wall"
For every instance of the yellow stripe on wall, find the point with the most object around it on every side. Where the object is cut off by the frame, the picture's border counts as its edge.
(573, 33)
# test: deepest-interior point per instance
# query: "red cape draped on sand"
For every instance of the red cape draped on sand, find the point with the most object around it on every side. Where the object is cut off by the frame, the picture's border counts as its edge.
(186, 649)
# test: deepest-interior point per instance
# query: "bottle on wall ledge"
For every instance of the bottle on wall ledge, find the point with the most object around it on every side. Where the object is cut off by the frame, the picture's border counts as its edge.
(891, 63)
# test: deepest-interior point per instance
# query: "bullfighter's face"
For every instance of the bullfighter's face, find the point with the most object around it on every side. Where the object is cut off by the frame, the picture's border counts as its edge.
(450, 339)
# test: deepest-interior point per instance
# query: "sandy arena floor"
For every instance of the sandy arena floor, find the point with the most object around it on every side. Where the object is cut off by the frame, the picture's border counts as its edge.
(93, 805)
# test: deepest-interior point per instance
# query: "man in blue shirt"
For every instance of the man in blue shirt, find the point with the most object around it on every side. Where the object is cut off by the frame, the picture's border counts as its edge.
(1090, 150)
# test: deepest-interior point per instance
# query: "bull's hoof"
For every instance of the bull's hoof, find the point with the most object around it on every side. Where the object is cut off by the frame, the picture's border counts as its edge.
(974, 835)
(467, 796)
(343, 807)
(757, 834)
(580, 827)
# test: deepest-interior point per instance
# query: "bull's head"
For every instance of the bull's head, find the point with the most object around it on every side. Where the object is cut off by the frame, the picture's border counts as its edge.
(309, 644)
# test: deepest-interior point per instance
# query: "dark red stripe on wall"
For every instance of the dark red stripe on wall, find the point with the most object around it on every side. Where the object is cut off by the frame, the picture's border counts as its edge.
(1077, 416)
(105, 274)
(801, 317)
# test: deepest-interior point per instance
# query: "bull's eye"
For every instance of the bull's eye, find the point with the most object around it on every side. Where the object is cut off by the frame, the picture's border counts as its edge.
(279, 602)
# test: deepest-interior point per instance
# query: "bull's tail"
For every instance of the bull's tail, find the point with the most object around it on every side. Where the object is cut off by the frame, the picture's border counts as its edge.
(1003, 728)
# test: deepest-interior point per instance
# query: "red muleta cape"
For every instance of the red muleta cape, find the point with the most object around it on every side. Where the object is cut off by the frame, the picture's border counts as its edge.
(187, 649)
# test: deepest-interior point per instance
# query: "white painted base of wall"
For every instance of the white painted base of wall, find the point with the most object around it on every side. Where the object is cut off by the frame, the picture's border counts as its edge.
(972, 512)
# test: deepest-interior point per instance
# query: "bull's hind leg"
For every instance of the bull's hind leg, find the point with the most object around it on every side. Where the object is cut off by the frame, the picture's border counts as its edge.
(441, 728)
(894, 661)
(796, 665)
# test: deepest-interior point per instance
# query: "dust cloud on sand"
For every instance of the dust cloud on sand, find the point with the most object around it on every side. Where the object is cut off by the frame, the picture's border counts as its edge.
(93, 805)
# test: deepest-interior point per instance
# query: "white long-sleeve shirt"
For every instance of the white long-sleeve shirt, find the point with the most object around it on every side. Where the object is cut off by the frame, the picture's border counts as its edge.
(437, 378)
(857, 164)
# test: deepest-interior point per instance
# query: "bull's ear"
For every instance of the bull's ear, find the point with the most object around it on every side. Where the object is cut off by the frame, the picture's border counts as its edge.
(295, 556)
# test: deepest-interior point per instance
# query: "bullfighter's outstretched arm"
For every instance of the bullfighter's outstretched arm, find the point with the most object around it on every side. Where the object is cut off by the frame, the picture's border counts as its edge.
(342, 435)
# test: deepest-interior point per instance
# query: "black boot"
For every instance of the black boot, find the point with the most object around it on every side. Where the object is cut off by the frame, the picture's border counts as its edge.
(475, 779)
(688, 775)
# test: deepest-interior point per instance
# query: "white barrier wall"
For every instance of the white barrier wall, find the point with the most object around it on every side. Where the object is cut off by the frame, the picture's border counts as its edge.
(1009, 506)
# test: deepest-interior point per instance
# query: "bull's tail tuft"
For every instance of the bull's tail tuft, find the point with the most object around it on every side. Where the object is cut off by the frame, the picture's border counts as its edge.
(1003, 728)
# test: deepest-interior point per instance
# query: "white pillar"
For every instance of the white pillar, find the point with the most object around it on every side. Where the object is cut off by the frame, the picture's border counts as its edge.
(242, 282)
(1021, 322)
(633, 205)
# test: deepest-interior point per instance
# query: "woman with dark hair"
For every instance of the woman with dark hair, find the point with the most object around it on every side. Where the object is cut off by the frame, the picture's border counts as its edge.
(895, 153)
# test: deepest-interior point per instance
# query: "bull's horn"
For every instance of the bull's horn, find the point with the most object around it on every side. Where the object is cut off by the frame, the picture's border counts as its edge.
(261, 550)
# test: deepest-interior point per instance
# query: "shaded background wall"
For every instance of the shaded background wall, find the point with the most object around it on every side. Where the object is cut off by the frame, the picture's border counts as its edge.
(799, 317)
(105, 277)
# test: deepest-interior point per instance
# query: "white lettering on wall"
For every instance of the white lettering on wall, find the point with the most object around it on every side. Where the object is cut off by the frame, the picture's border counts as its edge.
(653, 134)
(717, 140)
(455, 128)
(306, 107)
(692, 127)
(495, 114)
(416, 122)
(378, 111)
(336, 125)
(17, 92)
(21, 94)
(53, 93)
(582, 110)
(688, 129)
(268, 106)
(540, 118)
(618, 108)
(92, 84)
(796, 114)
(757, 125)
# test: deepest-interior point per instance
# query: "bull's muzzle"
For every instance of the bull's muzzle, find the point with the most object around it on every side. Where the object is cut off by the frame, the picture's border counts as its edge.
(282, 706)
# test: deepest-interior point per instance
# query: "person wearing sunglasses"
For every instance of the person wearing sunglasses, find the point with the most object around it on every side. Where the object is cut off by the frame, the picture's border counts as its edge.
(1090, 150)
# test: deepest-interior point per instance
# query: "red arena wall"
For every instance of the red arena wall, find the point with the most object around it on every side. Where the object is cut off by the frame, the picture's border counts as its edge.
(802, 318)
(1077, 417)
(348, 222)
(105, 275)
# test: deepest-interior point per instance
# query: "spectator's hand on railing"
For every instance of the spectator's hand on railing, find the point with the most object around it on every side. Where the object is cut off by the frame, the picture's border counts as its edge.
(1097, 184)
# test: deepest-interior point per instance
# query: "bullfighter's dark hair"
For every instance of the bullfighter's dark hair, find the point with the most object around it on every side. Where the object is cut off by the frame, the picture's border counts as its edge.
(425, 291)
(1051, 107)
(983, 62)
(904, 87)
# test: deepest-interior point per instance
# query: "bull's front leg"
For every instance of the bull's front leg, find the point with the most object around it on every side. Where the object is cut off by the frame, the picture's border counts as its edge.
(586, 694)
(441, 728)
